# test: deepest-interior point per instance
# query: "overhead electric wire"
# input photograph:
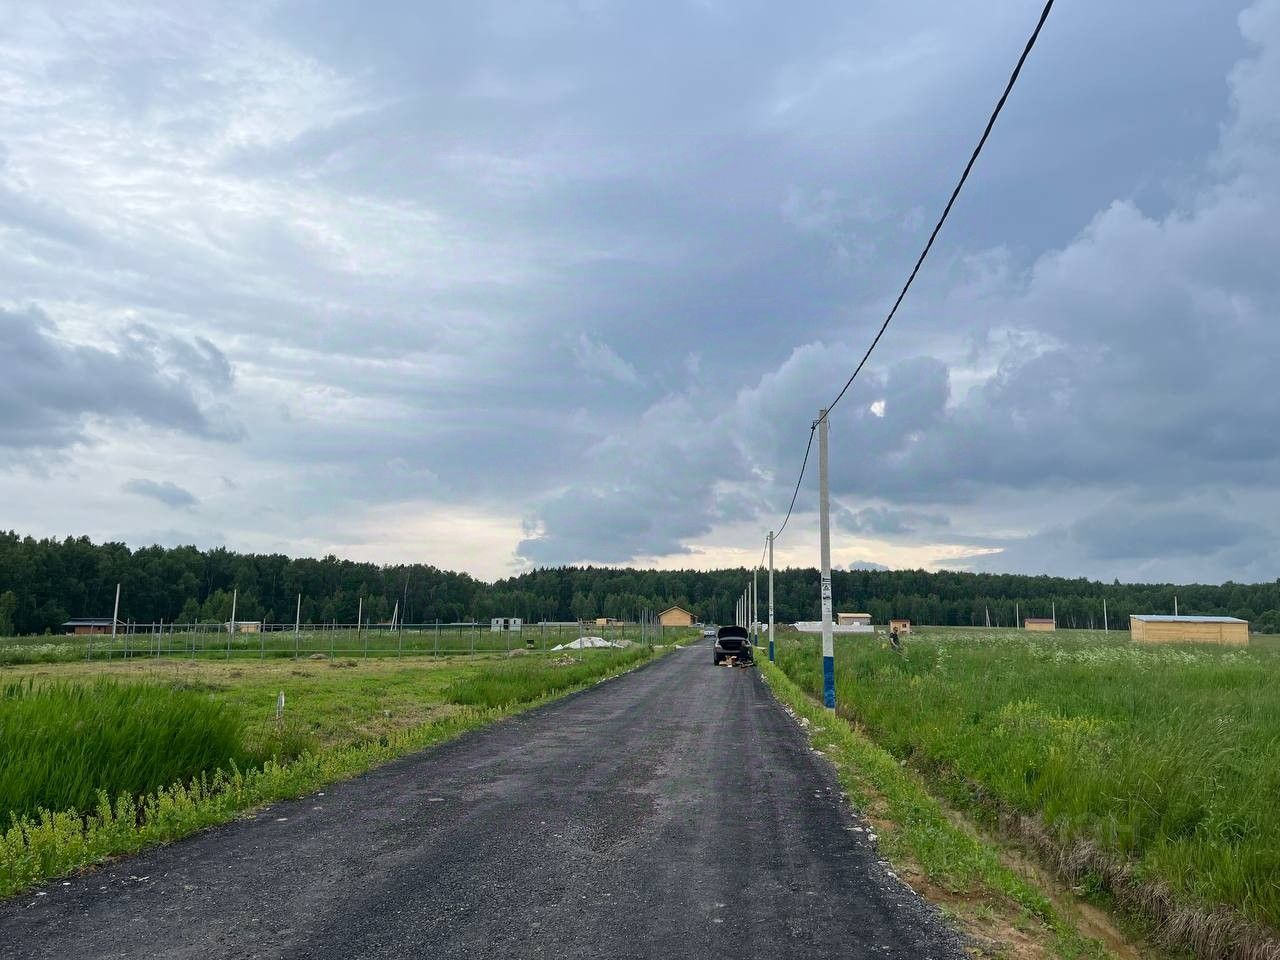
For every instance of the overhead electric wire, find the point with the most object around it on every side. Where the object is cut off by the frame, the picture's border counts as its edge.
(1013, 78)
(796, 492)
(946, 212)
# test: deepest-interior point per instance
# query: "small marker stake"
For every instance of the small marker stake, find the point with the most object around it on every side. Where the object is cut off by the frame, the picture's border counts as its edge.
(280, 705)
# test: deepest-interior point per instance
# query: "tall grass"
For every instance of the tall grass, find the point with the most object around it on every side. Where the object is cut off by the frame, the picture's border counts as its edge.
(60, 744)
(1164, 759)
(43, 727)
(526, 680)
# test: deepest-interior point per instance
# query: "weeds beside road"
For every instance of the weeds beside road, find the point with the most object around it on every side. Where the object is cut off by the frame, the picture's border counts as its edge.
(340, 719)
(1145, 774)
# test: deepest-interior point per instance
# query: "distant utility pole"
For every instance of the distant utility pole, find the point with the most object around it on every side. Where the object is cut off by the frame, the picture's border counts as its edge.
(771, 596)
(824, 547)
(1106, 627)
(115, 618)
(1175, 604)
(1054, 608)
(231, 627)
(755, 602)
(1017, 615)
(297, 627)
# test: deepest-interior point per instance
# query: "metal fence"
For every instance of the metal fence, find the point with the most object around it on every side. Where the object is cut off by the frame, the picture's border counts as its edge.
(333, 640)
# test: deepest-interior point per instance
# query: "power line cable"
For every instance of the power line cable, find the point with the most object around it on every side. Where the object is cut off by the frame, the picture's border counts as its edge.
(946, 212)
(1013, 78)
(795, 493)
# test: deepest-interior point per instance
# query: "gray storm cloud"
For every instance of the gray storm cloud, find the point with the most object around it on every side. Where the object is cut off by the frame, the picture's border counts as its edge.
(597, 267)
(51, 388)
(163, 491)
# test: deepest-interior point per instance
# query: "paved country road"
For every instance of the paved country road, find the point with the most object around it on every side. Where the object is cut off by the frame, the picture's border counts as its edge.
(674, 812)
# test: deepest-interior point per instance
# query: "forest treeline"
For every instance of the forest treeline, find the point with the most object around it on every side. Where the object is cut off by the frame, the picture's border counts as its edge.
(46, 582)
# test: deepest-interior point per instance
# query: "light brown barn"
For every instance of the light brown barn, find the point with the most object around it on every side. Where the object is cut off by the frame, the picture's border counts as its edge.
(675, 617)
(1043, 624)
(853, 619)
(901, 625)
(90, 625)
(1229, 631)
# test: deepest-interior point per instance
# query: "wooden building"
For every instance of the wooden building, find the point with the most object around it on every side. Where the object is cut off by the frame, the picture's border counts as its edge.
(1230, 631)
(675, 617)
(853, 619)
(86, 626)
(902, 625)
(1042, 624)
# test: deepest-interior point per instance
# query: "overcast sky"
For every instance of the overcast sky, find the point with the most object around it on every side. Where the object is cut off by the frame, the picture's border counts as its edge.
(492, 285)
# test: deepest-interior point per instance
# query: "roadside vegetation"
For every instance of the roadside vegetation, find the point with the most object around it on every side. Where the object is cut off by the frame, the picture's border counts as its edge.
(521, 681)
(98, 761)
(1147, 776)
(1001, 910)
(61, 743)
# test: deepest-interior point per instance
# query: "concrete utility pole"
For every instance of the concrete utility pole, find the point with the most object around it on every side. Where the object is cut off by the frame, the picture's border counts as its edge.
(771, 596)
(1106, 627)
(755, 605)
(824, 541)
(231, 627)
(115, 618)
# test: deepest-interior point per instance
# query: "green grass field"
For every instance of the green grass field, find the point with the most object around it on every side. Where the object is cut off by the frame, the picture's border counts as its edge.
(214, 643)
(98, 759)
(1165, 759)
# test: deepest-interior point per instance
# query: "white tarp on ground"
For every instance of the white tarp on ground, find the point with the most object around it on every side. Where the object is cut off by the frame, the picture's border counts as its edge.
(584, 643)
(815, 626)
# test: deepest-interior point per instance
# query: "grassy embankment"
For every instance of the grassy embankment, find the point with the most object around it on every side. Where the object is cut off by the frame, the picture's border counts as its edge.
(97, 762)
(1148, 776)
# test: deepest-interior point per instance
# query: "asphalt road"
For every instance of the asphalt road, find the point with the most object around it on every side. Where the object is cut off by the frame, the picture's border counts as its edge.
(673, 812)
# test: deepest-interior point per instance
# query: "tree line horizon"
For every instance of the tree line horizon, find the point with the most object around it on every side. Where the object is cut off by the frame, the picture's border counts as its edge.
(45, 582)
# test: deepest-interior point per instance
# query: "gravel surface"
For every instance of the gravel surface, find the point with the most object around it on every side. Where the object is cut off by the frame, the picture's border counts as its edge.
(673, 812)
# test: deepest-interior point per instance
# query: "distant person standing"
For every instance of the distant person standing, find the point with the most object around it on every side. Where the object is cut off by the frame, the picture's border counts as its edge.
(895, 642)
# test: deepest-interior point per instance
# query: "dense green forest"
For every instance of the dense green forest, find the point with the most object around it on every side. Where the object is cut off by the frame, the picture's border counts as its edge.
(45, 582)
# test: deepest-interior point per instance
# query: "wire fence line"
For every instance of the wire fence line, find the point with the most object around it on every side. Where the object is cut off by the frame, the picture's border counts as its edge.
(323, 641)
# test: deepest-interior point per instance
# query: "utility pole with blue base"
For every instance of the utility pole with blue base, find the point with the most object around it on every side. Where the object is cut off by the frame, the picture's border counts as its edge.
(824, 540)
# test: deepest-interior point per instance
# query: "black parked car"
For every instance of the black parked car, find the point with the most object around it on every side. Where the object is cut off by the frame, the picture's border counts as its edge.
(733, 642)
